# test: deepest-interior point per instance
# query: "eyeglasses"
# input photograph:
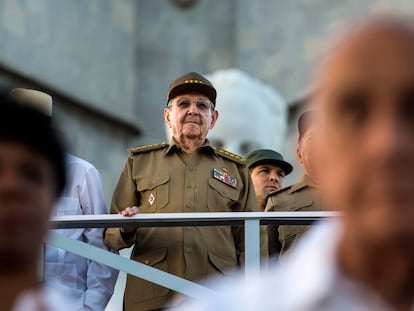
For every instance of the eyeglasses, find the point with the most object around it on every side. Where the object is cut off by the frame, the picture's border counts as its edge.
(202, 104)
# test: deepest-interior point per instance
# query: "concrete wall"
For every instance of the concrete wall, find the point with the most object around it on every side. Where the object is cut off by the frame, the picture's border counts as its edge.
(82, 51)
(173, 41)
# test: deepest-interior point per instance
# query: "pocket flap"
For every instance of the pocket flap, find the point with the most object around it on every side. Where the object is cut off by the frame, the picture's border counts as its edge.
(222, 264)
(223, 189)
(152, 257)
(149, 183)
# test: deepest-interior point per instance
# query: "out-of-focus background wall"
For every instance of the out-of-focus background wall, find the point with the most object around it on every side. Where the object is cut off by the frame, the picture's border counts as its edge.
(108, 64)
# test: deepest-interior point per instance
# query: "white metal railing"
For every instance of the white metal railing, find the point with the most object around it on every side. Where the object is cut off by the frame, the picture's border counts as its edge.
(251, 221)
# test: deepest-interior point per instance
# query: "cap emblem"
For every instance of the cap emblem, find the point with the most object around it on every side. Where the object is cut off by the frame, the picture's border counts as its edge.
(193, 81)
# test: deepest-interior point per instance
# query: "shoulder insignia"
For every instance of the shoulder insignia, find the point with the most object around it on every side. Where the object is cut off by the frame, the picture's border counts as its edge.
(147, 148)
(228, 155)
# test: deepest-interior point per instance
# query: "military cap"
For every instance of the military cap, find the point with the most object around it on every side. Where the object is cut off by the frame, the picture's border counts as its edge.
(304, 122)
(263, 156)
(192, 82)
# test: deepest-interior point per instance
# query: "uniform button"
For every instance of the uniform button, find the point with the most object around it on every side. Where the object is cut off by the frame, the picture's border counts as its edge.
(147, 262)
(187, 250)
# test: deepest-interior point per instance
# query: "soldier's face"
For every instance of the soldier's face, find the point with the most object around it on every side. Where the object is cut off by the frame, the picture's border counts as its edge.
(366, 98)
(27, 196)
(190, 116)
(266, 178)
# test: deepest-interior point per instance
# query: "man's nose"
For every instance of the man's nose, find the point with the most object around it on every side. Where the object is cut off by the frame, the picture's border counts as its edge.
(193, 109)
(272, 176)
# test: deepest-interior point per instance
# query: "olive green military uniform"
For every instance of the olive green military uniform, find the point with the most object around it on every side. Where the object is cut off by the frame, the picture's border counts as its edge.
(164, 179)
(302, 196)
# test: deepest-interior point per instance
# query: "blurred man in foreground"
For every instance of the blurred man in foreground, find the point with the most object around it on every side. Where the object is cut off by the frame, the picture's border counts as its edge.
(364, 260)
(32, 177)
(88, 282)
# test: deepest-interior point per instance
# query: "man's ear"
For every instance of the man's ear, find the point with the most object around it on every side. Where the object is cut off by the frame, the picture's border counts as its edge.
(167, 117)
(299, 154)
(214, 118)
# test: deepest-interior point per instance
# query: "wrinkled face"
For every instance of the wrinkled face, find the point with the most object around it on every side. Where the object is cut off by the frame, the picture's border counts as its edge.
(366, 97)
(190, 116)
(266, 178)
(27, 196)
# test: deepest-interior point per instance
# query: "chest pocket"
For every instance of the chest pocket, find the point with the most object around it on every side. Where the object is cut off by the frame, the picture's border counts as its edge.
(220, 197)
(153, 192)
(287, 232)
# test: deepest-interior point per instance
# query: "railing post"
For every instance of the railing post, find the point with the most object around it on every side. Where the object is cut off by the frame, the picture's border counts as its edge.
(252, 247)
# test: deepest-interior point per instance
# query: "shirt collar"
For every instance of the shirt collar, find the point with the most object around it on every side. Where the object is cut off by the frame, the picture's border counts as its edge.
(174, 147)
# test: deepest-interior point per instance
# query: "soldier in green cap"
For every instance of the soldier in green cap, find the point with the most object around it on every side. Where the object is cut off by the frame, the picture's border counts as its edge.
(267, 169)
(303, 195)
(186, 175)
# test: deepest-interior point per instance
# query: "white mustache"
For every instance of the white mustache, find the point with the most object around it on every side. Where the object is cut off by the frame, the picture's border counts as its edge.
(192, 120)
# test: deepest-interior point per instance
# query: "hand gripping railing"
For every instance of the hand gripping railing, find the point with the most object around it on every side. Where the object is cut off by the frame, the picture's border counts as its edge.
(250, 220)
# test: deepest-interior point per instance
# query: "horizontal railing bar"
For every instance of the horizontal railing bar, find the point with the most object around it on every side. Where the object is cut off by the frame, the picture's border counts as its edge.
(187, 219)
(129, 266)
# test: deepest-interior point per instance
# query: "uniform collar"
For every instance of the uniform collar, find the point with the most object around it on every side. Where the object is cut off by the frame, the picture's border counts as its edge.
(305, 181)
(174, 147)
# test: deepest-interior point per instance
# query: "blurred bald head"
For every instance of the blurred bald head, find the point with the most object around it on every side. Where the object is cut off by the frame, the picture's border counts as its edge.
(364, 92)
(364, 95)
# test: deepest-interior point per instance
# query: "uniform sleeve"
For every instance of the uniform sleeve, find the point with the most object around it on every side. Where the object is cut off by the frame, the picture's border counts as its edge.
(273, 240)
(272, 231)
(248, 203)
(100, 278)
(124, 195)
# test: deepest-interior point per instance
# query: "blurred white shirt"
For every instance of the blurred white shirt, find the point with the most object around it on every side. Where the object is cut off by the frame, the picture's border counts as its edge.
(43, 298)
(307, 278)
(90, 283)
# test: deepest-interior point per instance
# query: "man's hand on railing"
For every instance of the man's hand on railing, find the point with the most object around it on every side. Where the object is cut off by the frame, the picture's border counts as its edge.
(128, 212)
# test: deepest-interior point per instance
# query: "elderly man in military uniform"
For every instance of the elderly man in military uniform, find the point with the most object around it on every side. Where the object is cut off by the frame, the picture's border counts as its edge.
(187, 175)
(303, 195)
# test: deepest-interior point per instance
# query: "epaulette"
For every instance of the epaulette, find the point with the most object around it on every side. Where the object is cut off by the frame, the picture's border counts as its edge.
(228, 155)
(276, 192)
(147, 148)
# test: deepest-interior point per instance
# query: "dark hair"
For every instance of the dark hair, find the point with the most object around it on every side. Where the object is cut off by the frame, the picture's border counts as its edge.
(29, 126)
